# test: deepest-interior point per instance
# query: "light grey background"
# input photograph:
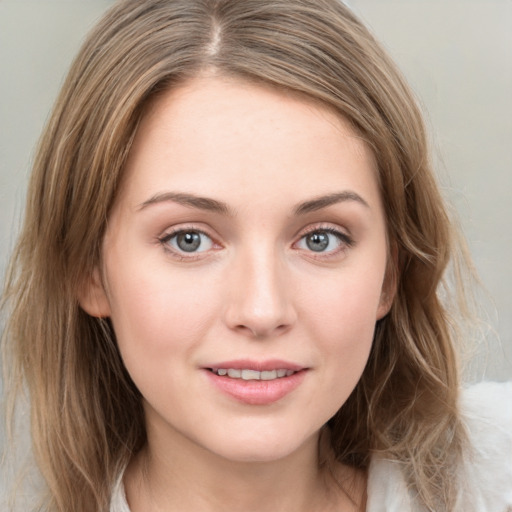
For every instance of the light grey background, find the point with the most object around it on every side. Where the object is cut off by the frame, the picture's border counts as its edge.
(457, 54)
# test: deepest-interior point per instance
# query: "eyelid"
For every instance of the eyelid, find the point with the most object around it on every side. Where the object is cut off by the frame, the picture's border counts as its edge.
(346, 240)
(326, 226)
(167, 235)
(170, 233)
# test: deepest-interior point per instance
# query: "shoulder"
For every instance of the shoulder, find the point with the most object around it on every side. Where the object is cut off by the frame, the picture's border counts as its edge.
(486, 475)
(486, 410)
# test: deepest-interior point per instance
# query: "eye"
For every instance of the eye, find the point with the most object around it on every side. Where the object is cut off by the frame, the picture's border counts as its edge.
(324, 241)
(188, 241)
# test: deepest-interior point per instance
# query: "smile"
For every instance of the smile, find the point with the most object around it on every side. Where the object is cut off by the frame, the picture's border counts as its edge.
(255, 382)
(247, 374)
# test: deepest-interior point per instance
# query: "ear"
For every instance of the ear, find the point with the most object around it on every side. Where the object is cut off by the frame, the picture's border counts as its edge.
(389, 285)
(92, 296)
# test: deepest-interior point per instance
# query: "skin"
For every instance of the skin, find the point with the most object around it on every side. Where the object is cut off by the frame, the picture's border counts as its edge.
(254, 290)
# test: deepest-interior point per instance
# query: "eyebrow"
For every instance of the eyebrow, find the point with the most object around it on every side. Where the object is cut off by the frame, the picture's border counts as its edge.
(215, 206)
(202, 203)
(324, 201)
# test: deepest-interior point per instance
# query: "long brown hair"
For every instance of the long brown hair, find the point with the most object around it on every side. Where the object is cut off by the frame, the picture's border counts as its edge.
(87, 420)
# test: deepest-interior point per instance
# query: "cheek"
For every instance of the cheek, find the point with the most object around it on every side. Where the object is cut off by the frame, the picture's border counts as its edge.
(349, 303)
(342, 321)
(157, 312)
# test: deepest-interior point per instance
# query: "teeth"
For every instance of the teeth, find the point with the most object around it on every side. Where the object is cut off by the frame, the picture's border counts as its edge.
(253, 374)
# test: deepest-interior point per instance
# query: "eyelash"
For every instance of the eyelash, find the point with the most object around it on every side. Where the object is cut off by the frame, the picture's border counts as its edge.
(345, 242)
(181, 255)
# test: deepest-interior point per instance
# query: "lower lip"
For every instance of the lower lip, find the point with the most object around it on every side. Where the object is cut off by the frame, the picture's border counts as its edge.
(257, 392)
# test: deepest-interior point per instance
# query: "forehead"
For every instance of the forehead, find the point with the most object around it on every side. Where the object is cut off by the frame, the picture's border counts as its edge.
(213, 135)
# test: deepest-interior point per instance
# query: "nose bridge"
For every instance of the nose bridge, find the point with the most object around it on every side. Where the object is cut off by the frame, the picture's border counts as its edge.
(260, 301)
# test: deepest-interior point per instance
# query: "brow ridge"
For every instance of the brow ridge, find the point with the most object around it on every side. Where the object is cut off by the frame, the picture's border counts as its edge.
(203, 203)
(328, 200)
(213, 205)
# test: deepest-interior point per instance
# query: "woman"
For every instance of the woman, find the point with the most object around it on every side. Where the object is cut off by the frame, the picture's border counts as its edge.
(227, 290)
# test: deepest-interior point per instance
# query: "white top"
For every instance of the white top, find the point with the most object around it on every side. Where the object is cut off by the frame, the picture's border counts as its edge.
(487, 412)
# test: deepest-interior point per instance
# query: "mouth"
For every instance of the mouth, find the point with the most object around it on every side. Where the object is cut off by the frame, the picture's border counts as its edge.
(256, 383)
(249, 374)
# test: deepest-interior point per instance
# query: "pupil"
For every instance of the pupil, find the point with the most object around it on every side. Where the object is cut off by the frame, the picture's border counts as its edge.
(189, 242)
(317, 241)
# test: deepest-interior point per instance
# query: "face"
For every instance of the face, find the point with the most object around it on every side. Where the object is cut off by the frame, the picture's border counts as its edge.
(244, 267)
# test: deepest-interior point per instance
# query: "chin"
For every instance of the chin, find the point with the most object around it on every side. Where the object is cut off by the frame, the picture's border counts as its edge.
(263, 448)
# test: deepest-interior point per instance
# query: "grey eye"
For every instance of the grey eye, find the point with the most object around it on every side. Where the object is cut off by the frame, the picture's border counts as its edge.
(323, 240)
(318, 241)
(190, 241)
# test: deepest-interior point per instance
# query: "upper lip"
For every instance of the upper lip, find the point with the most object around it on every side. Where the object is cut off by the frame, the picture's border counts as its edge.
(261, 366)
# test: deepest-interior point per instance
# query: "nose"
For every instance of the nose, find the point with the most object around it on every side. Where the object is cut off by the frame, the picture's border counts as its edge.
(260, 303)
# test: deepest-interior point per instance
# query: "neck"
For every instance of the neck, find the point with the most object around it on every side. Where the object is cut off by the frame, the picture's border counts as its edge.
(175, 476)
